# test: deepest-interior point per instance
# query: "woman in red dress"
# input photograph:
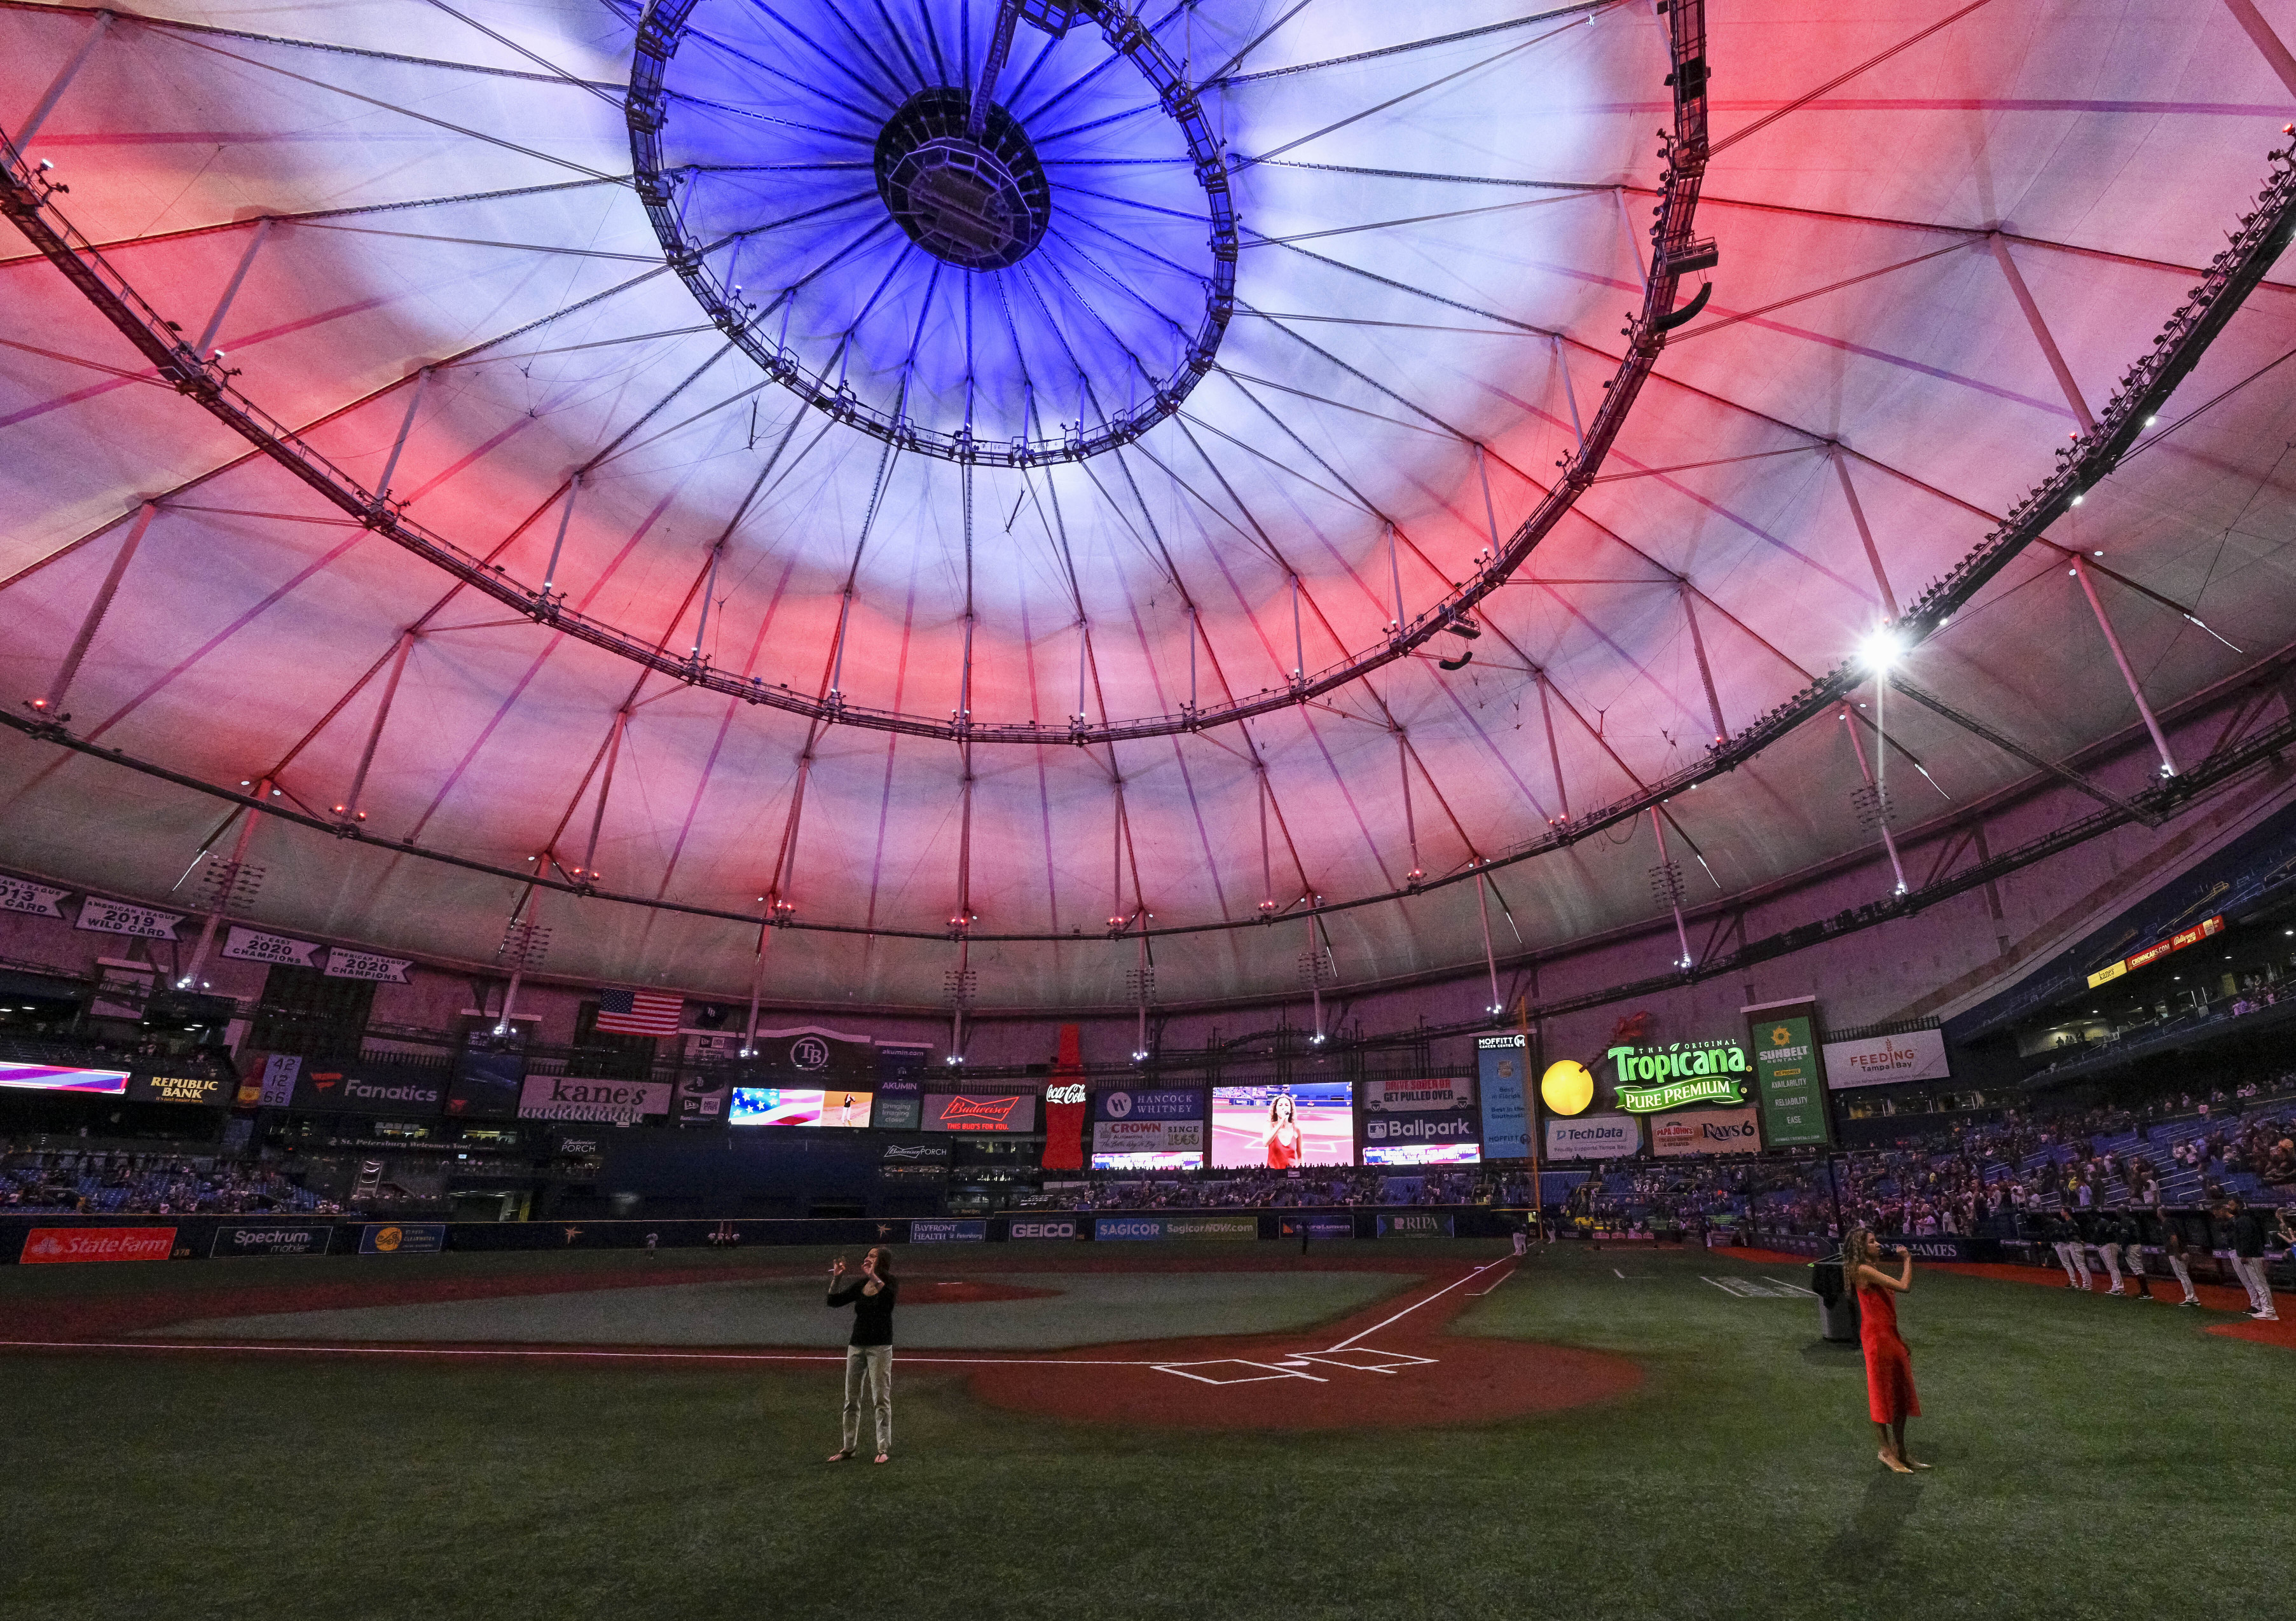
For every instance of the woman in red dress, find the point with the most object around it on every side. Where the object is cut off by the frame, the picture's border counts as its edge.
(1889, 1394)
(1282, 1138)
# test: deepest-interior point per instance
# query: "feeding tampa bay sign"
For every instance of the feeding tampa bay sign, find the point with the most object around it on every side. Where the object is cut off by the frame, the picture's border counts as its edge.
(1654, 1078)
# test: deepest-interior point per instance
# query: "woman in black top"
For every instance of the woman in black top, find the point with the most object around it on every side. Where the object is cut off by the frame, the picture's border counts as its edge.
(869, 1353)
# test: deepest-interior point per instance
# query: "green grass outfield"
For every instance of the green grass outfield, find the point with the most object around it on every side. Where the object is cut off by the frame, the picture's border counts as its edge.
(2095, 1457)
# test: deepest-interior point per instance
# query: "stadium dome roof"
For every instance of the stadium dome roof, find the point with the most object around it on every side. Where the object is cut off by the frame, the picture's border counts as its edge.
(797, 493)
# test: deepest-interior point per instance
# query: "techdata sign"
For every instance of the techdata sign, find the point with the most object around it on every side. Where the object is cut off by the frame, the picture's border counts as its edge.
(1013, 1112)
(1654, 1078)
(1918, 1055)
(379, 1089)
(1786, 1076)
(1149, 1105)
(1112, 1229)
(583, 1097)
(947, 1232)
(270, 1238)
(1594, 1136)
(1706, 1131)
(1502, 1068)
(1034, 1227)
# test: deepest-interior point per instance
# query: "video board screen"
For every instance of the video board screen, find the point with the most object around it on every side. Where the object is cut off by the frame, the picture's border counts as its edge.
(1308, 1123)
(59, 1078)
(1424, 1154)
(1148, 1145)
(784, 1106)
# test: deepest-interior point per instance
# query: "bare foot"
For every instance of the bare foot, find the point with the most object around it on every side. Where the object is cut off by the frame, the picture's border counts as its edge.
(1890, 1459)
(888, 1457)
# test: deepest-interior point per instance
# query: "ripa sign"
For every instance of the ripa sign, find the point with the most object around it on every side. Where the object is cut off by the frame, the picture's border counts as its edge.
(1654, 1078)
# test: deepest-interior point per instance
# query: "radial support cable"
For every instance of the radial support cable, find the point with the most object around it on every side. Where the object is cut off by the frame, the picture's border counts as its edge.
(1685, 962)
(27, 131)
(51, 706)
(1490, 959)
(2064, 374)
(226, 880)
(2128, 673)
(2009, 745)
(1864, 533)
(1879, 794)
(214, 328)
(353, 808)
(1705, 670)
(2260, 33)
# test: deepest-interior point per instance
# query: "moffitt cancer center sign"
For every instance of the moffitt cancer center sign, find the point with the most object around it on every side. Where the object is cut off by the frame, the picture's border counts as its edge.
(1679, 1073)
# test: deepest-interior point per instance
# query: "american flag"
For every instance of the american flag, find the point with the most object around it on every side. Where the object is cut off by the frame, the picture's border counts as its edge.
(646, 1012)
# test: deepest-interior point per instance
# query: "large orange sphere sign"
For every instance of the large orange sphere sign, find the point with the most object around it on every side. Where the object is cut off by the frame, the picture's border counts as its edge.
(1567, 1086)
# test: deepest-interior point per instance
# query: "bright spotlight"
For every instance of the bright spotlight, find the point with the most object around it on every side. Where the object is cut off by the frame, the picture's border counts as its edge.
(1881, 649)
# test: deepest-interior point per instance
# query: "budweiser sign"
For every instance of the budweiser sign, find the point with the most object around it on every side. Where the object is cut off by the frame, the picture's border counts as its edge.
(957, 1112)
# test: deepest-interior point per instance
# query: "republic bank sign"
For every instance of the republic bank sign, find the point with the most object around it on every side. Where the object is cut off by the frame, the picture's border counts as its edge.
(1654, 1078)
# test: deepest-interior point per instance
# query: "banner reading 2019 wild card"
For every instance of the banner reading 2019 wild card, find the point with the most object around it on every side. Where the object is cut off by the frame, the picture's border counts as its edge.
(1786, 1072)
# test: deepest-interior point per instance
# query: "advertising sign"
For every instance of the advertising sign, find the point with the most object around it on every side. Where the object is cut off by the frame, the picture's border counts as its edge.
(826, 1059)
(253, 945)
(1109, 1229)
(1706, 1131)
(1013, 1112)
(21, 895)
(777, 1105)
(1594, 1136)
(947, 1232)
(581, 1098)
(60, 1078)
(1317, 1227)
(1918, 1055)
(100, 916)
(1148, 1145)
(270, 1238)
(2155, 953)
(1064, 1109)
(1418, 1096)
(701, 1096)
(900, 1093)
(490, 1076)
(402, 1238)
(384, 1088)
(52, 1246)
(1042, 1227)
(913, 1162)
(1404, 1140)
(214, 1091)
(343, 963)
(1149, 1105)
(1786, 1077)
(1502, 1064)
(1654, 1078)
(1310, 1123)
(1414, 1225)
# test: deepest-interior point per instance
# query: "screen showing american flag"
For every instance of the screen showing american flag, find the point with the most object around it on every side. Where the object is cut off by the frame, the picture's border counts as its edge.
(646, 1012)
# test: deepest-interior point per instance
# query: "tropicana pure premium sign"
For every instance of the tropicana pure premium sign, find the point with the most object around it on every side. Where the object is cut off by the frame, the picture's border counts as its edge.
(1654, 1078)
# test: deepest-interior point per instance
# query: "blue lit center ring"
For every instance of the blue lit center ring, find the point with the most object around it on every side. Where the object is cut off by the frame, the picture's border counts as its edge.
(979, 203)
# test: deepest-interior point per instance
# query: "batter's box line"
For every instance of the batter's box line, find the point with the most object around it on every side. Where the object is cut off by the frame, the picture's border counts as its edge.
(1267, 1370)
(1387, 1362)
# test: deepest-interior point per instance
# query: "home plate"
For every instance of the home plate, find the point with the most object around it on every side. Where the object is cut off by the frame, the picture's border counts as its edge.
(1234, 1370)
(1368, 1361)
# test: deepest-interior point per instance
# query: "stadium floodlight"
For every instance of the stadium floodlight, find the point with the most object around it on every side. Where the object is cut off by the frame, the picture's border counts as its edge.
(1880, 648)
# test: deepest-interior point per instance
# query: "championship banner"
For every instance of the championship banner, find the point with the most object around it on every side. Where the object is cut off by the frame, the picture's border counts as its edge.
(1594, 1136)
(1418, 1096)
(253, 945)
(1012, 1113)
(1918, 1055)
(973, 1232)
(403, 1238)
(214, 1091)
(99, 917)
(1786, 1076)
(1706, 1131)
(270, 1238)
(1166, 1105)
(345, 964)
(579, 1098)
(52, 1246)
(1502, 1068)
(23, 895)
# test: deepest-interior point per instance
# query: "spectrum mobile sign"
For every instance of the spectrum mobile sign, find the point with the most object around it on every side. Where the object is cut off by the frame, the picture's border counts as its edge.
(1655, 1078)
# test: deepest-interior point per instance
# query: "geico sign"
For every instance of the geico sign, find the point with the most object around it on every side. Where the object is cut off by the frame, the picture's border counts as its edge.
(1043, 1229)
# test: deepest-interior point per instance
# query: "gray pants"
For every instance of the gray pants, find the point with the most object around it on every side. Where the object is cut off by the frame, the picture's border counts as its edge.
(2183, 1276)
(870, 1367)
(2250, 1269)
(2111, 1255)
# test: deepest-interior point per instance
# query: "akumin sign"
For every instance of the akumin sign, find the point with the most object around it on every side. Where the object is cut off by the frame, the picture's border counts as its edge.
(1680, 1073)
